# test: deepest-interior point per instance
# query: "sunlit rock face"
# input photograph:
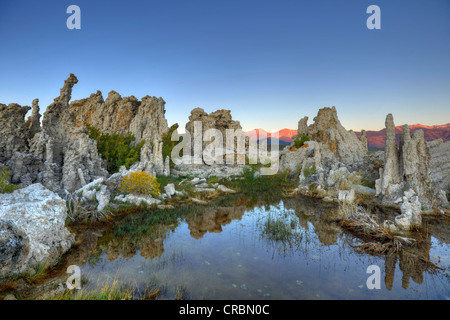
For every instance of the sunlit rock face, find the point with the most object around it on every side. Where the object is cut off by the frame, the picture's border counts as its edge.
(144, 119)
(302, 128)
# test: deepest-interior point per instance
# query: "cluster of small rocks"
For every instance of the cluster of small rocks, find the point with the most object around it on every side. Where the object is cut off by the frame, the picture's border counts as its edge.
(411, 213)
(205, 171)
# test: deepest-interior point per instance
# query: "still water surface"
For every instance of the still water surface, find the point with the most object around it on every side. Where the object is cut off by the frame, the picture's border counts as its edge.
(223, 253)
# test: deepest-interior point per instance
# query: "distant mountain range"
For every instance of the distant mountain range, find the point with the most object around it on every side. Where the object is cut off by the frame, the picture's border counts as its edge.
(375, 139)
(285, 135)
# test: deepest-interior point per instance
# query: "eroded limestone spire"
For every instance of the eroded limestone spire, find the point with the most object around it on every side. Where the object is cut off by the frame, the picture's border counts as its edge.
(65, 93)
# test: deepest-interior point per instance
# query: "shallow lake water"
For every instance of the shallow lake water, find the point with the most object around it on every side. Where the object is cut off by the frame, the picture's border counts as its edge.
(223, 253)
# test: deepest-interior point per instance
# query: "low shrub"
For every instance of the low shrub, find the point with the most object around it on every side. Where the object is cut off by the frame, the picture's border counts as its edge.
(140, 183)
(117, 149)
(248, 173)
(165, 180)
(298, 143)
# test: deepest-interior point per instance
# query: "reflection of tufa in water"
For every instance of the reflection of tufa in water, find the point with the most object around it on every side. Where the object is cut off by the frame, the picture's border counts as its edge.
(219, 247)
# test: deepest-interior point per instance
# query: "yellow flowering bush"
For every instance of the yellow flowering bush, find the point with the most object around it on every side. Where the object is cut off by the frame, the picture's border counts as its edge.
(140, 183)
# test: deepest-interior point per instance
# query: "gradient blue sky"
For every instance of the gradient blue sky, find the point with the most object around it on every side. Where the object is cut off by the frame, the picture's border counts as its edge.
(269, 62)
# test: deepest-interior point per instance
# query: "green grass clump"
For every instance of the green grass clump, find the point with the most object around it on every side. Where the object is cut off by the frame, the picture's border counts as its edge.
(117, 149)
(282, 226)
(165, 180)
(212, 180)
(5, 186)
(248, 173)
(226, 201)
(107, 292)
(149, 220)
(278, 230)
(266, 188)
(367, 183)
(308, 172)
(298, 143)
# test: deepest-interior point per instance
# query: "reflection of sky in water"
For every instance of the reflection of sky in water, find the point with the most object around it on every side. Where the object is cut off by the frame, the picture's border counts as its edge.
(238, 263)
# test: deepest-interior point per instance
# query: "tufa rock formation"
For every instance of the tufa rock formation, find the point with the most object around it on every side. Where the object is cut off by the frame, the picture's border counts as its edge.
(60, 154)
(220, 120)
(144, 119)
(330, 164)
(327, 129)
(14, 133)
(363, 138)
(302, 128)
(69, 156)
(440, 165)
(33, 122)
(405, 167)
(330, 143)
